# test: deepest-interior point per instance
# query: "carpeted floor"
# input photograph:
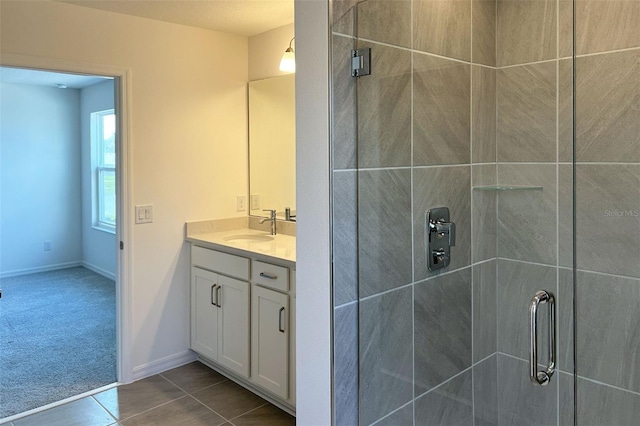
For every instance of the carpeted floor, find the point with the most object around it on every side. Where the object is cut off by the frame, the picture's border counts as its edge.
(57, 337)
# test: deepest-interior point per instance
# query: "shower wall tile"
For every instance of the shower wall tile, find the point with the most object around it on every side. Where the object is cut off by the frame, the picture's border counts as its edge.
(402, 417)
(342, 12)
(565, 112)
(484, 235)
(441, 108)
(442, 187)
(527, 218)
(565, 28)
(386, 21)
(344, 105)
(386, 354)
(484, 310)
(564, 312)
(345, 365)
(608, 218)
(608, 107)
(384, 109)
(485, 392)
(521, 403)
(606, 25)
(608, 336)
(526, 100)
(484, 32)
(449, 404)
(443, 27)
(602, 405)
(566, 410)
(442, 329)
(518, 282)
(565, 215)
(483, 114)
(345, 247)
(526, 31)
(384, 230)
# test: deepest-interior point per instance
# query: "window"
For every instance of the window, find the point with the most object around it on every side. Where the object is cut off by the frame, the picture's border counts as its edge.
(103, 147)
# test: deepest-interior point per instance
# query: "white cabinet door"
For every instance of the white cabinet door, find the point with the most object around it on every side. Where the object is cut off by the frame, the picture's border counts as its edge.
(233, 333)
(270, 340)
(292, 352)
(204, 313)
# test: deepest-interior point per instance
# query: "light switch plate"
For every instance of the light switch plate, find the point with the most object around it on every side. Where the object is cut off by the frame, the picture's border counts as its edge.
(144, 213)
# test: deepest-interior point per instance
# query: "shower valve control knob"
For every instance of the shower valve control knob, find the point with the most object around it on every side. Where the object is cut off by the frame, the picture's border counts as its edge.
(441, 236)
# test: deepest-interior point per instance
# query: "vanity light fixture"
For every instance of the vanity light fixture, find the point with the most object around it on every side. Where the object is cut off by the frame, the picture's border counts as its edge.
(288, 61)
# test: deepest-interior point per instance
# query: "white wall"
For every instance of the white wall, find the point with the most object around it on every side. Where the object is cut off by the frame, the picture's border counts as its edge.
(98, 247)
(188, 142)
(266, 50)
(40, 177)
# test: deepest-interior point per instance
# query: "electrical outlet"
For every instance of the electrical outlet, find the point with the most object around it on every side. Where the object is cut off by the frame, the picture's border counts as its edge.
(241, 203)
(47, 245)
(255, 202)
(144, 214)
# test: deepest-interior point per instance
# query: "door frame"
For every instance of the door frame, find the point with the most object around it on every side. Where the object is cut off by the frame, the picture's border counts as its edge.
(124, 236)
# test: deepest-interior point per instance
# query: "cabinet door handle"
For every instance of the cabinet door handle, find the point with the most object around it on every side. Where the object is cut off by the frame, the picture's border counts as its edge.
(281, 320)
(213, 288)
(268, 275)
(218, 296)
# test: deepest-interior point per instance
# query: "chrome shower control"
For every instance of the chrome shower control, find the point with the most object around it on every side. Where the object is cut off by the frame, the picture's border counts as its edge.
(441, 236)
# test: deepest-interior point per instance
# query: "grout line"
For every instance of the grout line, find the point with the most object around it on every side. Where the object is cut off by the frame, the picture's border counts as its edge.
(413, 248)
(393, 412)
(472, 211)
(527, 262)
(344, 305)
(382, 293)
(524, 64)
(209, 408)
(585, 55)
(231, 419)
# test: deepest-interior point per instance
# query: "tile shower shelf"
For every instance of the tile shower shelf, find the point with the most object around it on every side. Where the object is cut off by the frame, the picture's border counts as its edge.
(507, 188)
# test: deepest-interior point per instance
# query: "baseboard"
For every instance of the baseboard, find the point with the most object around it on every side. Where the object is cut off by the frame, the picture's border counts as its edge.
(98, 270)
(164, 364)
(17, 272)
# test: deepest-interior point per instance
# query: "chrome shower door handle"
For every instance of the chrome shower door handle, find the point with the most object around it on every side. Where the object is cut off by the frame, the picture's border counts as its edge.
(542, 377)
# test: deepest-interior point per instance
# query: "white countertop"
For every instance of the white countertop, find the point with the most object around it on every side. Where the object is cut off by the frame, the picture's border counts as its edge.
(281, 247)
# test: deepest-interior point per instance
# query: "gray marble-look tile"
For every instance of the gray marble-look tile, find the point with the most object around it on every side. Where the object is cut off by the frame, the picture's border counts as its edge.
(520, 402)
(384, 108)
(83, 412)
(402, 417)
(565, 215)
(608, 332)
(448, 404)
(606, 25)
(484, 32)
(484, 309)
(566, 409)
(599, 405)
(193, 377)
(183, 411)
(345, 237)
(483, 113)
(384, 230)
(343, 14)
(442, 328)
(127, 400)
(565, 28)
(386, 21)
(608, 109)
(526, 31)
(442, 187)
(565, 110)
(526, 120)
(345, 365)
(608, 218)
(485, 237)
(386, 354)
(518, 282)
(485, 392)
(527, 218)
(565, 320)
(441, 109)
(267, 415)
(229, 399)
(443, 27)
(343, 102)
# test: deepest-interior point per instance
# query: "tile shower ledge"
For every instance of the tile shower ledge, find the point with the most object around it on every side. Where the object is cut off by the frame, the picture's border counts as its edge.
(281, 248)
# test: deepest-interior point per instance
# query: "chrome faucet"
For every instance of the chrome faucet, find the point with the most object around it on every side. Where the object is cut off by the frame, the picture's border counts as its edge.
(272, 218)
(288, 216)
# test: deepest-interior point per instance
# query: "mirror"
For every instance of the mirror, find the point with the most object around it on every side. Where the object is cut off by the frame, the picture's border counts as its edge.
(272, 145)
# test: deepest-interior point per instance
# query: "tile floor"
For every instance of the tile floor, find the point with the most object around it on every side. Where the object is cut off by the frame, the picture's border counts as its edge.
(189, 395)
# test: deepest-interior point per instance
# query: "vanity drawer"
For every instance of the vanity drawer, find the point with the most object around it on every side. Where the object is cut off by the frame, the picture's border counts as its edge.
(227, 264)
(268, 275)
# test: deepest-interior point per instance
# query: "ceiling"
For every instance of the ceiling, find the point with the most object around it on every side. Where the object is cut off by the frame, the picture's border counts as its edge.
(46, 78)
(241, 17)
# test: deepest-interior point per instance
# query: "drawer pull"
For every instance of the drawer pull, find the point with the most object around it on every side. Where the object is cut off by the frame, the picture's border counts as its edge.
(269, 276)
(218, 297)
(213, 289)
(280, 320)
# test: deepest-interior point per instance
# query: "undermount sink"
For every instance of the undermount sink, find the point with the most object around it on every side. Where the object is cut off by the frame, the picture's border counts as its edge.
(256, 238)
